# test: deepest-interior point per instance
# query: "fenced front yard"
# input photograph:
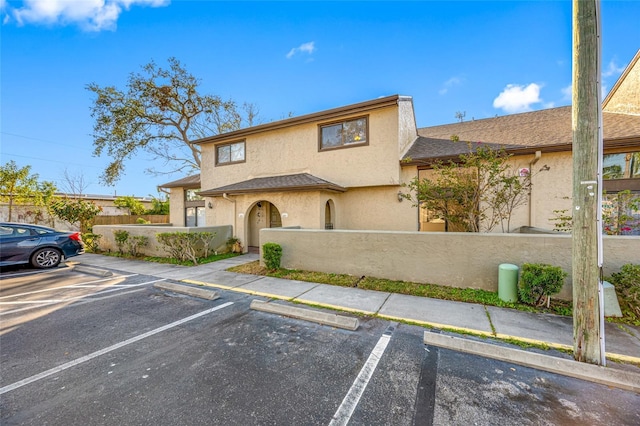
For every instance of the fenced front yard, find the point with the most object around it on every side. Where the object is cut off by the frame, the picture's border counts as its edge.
(465, 260)
(108, 241)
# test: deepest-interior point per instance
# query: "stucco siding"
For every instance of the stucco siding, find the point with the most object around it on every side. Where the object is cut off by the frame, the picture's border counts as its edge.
(176, 206)
(295, 150)
(451, 259)
(407, 129)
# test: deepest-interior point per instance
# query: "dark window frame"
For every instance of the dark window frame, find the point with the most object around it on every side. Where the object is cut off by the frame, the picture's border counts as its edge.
(343, 145)
(229, 144)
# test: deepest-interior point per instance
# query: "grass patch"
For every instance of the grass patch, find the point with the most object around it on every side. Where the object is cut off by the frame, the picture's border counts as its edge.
(469, 295)
(171, 260)
(201, 261)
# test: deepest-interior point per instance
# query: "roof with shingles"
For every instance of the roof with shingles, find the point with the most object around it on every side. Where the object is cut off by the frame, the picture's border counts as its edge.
(295, 182)
(531, 130)
(192, 181)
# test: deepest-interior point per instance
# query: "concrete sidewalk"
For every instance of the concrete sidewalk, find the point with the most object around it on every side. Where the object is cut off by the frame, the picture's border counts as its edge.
(621, 342)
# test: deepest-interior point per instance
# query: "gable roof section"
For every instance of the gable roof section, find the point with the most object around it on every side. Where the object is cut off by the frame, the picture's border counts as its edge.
(545, 130)
(425, 149)
(329, 114)
(287, 183)
(190, 182)
(624, 96)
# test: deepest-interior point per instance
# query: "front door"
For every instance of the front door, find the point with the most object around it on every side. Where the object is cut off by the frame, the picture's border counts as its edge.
(262, 215)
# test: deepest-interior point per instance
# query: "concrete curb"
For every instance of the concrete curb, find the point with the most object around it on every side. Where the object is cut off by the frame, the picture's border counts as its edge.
(324, 318)
(616, 378)
(91, 270)
(202, 293)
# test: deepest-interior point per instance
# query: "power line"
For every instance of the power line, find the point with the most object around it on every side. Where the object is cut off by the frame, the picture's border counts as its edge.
(41, 159)
(40, 140)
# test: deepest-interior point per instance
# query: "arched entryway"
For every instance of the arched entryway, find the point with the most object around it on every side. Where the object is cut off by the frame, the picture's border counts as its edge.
(329, 220)
(262, 215)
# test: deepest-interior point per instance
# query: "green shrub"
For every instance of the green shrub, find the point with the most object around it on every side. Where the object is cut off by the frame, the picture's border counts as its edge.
(272, 253)
(91, 241)
(136, 242)
(186, 245)
(121, 237)
(627, 284)
(142, 221)
(234, 245)
(538, 281)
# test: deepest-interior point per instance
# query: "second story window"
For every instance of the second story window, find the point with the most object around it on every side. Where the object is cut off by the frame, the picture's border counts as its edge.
(343, 134)
(230, 153)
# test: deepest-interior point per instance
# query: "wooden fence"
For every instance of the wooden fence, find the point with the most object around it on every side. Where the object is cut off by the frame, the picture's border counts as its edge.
(129, 219)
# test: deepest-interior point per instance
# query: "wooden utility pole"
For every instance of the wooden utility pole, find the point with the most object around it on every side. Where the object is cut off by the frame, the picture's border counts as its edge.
(586, 134)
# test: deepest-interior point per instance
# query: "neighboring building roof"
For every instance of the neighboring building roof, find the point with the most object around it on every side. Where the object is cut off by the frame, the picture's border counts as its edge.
(329, 114)
(296, 182)
(190, 182)
(97, 196)
(429, 148)
(546, 130)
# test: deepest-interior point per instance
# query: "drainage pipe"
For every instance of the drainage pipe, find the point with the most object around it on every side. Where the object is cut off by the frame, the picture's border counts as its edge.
(226, 197)
(531, 164)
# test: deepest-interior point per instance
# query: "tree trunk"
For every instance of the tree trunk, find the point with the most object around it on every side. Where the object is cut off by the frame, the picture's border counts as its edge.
(585, 125)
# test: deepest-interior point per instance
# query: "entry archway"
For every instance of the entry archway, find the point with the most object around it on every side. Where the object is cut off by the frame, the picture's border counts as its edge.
(263, 214)
(329, 212)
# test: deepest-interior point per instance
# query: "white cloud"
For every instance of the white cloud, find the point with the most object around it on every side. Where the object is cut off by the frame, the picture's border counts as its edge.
(453, 81)
(515, 98)
(308, 48)
(612, 69)
(90, 15)
(567, 93)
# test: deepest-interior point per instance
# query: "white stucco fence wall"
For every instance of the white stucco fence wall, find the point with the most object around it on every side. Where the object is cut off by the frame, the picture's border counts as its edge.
(452, 259)
(108, 242)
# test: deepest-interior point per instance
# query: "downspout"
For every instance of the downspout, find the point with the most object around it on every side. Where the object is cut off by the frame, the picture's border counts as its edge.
(531, 164)
(226, 197)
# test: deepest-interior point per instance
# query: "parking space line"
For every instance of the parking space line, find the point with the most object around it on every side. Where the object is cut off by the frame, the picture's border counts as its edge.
(41, 303)
(111, 348)
(68, 286)
(20, 274)
(350, 401)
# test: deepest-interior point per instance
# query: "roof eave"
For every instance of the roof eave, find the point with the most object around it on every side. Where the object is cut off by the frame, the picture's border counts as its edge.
(220, 193)
(303, 119)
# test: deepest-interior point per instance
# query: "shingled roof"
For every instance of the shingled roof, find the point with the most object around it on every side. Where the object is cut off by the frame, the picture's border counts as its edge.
(190, 182)
(545, 130)
(296, 182)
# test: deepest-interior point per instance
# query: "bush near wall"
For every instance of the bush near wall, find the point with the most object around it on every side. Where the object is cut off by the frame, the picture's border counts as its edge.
(462, 260)
(129, 219)
(153, 248)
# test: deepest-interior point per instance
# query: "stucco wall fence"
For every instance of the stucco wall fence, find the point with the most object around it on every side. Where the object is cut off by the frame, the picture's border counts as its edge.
(108, 242)
(463, 260)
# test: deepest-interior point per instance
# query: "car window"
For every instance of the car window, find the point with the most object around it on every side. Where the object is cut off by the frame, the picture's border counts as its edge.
(43, 231)
(6, 231)
(14, 231)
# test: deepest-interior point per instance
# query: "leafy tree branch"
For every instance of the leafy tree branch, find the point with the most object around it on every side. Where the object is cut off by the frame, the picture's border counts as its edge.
(161, 112)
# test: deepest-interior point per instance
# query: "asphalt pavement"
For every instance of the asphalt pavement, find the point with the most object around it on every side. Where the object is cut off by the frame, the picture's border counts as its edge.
(622, 343)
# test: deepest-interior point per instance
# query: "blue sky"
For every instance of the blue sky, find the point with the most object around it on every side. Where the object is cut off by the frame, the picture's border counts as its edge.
(479, 58)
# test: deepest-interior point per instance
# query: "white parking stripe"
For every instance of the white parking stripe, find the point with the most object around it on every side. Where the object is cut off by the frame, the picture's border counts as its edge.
(350, 401)
(20, 274)
(111, 348)
(41, 303)
(68, 286)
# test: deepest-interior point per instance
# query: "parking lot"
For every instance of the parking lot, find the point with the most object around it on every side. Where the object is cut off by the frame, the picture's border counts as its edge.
(80, 349)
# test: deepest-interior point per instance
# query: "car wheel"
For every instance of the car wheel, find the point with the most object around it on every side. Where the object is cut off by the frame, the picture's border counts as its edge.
(46, 258)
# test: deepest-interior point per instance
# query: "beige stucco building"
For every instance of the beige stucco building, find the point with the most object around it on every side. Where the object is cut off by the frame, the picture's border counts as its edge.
(345, 168)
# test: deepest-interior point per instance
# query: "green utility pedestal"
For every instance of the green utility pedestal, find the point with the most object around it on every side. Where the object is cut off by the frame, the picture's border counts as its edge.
(508, 282)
